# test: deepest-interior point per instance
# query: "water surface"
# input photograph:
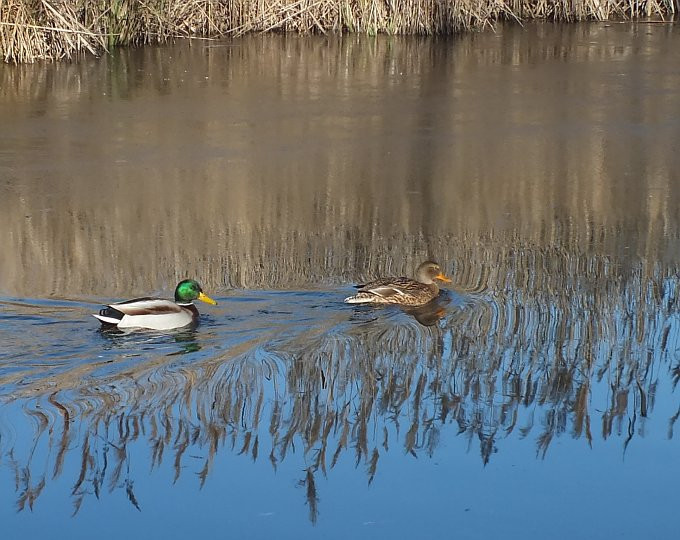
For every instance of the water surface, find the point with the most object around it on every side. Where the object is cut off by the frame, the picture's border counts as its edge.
(536, 397)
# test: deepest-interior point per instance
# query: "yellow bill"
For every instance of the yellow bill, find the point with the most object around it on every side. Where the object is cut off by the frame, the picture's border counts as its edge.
(205, 298)
(443, 278)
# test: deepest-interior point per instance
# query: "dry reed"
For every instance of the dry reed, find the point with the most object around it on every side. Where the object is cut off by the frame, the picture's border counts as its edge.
(46, 29)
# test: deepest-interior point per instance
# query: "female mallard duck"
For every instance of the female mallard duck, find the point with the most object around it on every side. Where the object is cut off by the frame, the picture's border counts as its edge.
(401, 290)
(157, 313)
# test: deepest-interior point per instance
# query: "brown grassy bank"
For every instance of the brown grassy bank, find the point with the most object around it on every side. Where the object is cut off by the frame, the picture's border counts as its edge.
(49, 29)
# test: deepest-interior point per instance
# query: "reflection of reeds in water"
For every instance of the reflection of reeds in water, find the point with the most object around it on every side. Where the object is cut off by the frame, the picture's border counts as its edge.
(31, 30)
(535, 356)
(315, 186)
(569, 278)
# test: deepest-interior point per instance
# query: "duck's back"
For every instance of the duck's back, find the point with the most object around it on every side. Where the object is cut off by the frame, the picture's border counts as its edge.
(398, 290)
(152, 313)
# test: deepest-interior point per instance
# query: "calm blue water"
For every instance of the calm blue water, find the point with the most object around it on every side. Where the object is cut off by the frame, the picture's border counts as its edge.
(292, 411)
(536, 398)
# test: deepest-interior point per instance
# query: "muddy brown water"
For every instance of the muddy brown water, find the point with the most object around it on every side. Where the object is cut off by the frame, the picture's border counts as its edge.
(537, 397)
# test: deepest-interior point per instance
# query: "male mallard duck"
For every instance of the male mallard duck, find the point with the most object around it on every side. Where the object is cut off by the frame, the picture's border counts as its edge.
(157, 313)
(401, 290)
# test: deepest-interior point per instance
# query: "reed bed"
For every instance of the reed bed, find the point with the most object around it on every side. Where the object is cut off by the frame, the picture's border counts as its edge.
(33, 30)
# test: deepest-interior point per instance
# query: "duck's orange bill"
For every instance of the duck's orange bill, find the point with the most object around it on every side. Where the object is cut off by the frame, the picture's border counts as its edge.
(443, 278)
(205, 298)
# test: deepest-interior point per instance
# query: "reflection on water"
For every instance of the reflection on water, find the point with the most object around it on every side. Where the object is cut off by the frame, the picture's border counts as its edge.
(537, 165)
(279, 162)
(535, 363)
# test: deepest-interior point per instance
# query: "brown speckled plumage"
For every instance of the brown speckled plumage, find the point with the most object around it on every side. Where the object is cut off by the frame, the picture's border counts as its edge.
(401, 290)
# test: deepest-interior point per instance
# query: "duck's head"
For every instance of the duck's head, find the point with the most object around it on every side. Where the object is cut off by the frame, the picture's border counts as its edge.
(189, 290)
(429, 271)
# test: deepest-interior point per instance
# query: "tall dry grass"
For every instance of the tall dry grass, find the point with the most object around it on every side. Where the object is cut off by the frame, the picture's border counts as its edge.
(50, 29)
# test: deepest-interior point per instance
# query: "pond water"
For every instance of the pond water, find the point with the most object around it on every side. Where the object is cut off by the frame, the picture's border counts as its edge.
(536, 398)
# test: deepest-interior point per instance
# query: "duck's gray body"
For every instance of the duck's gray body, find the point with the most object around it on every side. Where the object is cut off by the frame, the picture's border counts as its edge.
(151, 313)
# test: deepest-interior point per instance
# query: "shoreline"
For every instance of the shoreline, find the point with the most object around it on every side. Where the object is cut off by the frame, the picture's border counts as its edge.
(46, 30)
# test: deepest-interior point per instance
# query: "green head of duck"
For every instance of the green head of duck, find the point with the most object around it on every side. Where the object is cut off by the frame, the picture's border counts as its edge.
(189, 290)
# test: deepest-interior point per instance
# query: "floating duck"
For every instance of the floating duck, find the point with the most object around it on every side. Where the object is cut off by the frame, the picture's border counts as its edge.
(157, 313)
(401, 290)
